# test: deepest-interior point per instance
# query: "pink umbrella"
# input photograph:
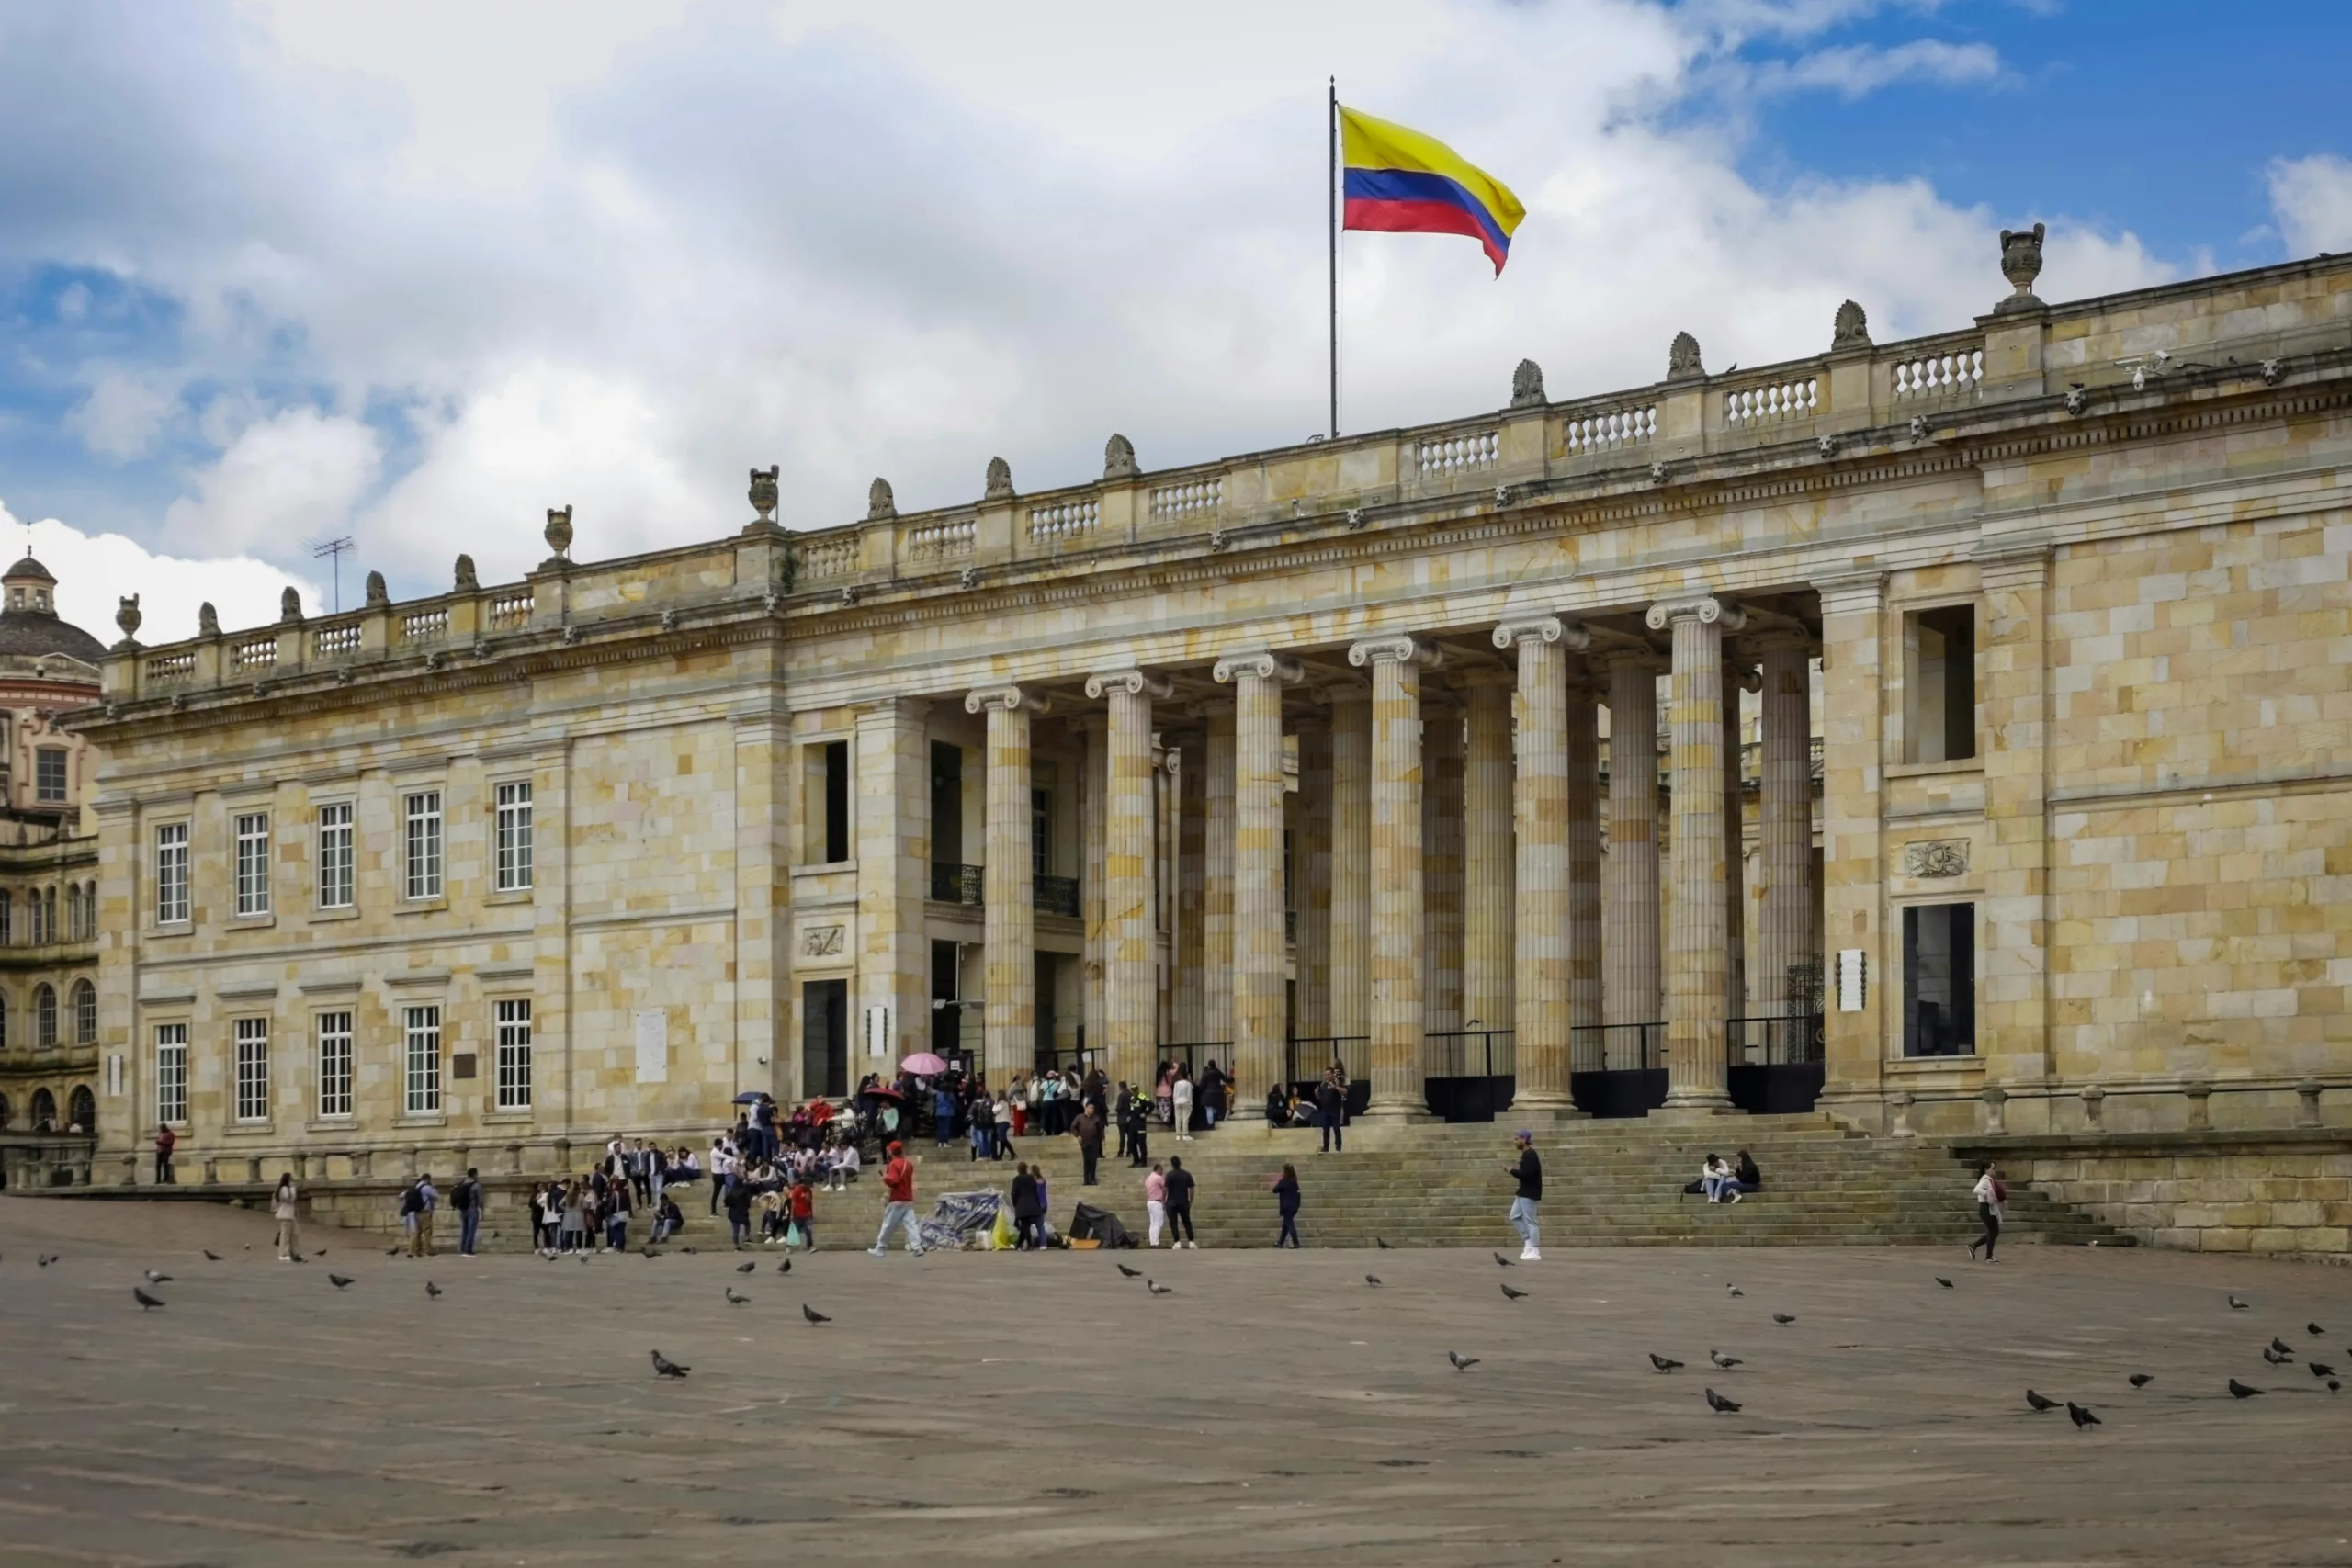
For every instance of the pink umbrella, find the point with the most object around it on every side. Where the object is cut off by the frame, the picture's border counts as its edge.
(923, 1064)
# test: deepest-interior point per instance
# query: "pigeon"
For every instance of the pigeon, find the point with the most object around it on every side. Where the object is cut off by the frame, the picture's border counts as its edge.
(2274, 1357)
(1726, 1362)
(2240, 1391)
(784, 1266)
(2281, 1346)
(1158, 1289)
(2313, 1329)
(1461, 1364)
(646, 1251)
(144, 1300)
(46, 1258)
(2080, 1417)
(813, 1314)
(1382, 1244)
(2333, 1385)
(339, 1280)
(1511, 1295)
(2038, 1402)
(392, 1252)
(690, 1251)
(1504, 1261)
(2141, 1380)
(1735, 1290)
(155, 1278)
(1720, 1405)
(1130, 1273)
(745, 1267)
(664, 1367)
(2238, 1305)
(1784, 1317)
(433, 1289)
(2321, 1369)
(1372, 1278)
(732, 1299)
(323, 1252)
(1947, 1284)
(1663, 1363)
(210, 1256)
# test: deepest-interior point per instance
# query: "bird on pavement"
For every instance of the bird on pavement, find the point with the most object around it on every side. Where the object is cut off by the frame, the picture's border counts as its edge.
(210, 1256)
(813, 1314)
(1726, 1362)
(1158, 1289)
(2321, 1370)
(1784, 1317)
(1663, 1363)
(339, 1280)
(1504, 1261)
(2038, 1402)
(2333, 1385)
(1720, 1405)
(1511, 1295)
(155, 1278)
(732, 1299)
(433, 1289)
(2241, 1391)
(2080, 1417)
(2238, 1305)
(1372, 1278)
(2313, 1329)
(1735, 1290)
(145, 1301)
(1382, 1244)
(392, 1252)
(2281, 1346)
(2141, 1380)
(1130, 1273)
(1461, 1364)
(46, 1258)
(2274, 1357)
(784, 1266)
(745, 1267)
(664, 1367)
(1947, 1284)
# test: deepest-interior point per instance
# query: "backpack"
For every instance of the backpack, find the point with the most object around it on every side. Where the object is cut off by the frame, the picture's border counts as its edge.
(461, 1197)
(411, 1203)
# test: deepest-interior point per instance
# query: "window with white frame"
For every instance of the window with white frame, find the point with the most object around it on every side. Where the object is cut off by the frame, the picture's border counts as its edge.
(334, 856)
(171, 1072)
(513, 836)
(514, 1066)
(253, 1069)
(45, 1017)
(253, 862)
(48, 775)
(422, 1078)
(335, 1064)
(171, 874)
(86, 1013)
(421, 813)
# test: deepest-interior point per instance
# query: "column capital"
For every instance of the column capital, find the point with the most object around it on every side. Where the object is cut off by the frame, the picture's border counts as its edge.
(1135, 683)
(1263, 663)
(1706, 609)
(1402, 649)
(1543, 628)
(1009, 699)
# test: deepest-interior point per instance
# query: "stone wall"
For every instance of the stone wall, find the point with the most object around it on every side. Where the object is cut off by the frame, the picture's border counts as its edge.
(2277, 1192)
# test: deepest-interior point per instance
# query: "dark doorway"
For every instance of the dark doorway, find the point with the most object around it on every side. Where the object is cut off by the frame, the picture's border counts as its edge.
(824, 1038)
(947, 803)
(947, 1008)
(1939, 980)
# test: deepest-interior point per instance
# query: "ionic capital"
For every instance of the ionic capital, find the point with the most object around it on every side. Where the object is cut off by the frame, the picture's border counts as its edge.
(1707, 611)
(1265, 664)
(1626, 656)
(1400, 649)
(1005, 699)
(1135, 683)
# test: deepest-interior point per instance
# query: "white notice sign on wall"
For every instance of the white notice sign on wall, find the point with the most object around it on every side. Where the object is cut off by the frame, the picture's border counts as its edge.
(877, 1032)
(1853, 980)
(653, 1046)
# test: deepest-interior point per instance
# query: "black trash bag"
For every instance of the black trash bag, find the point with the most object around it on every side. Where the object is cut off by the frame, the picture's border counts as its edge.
(1091, 1224)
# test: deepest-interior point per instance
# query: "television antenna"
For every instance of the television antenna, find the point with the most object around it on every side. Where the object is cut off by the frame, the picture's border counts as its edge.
(334, 549)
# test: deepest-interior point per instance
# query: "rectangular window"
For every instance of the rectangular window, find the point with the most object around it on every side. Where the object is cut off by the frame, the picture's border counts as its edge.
(514, 836)
(253, 862)
(49, 775)
(514, 1073)
(171, 874)
(253, 1069)
(171, 1072)
(1041, 832)
(423, 1057)
(836, 801)
(336, 880)
(1940, 685)
(335, 1064)
(1939, 980)
(423, 842)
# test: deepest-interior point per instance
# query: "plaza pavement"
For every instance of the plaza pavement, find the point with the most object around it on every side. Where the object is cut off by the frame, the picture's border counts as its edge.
(1275, 1408)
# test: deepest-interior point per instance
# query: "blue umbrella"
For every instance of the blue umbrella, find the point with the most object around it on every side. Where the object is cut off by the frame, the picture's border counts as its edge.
(749, 1097)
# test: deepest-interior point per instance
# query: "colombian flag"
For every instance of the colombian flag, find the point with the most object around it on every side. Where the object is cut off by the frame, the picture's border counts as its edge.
(1401, 182)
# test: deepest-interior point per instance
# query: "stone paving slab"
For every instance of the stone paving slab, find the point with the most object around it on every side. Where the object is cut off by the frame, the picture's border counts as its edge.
(1274, 1408)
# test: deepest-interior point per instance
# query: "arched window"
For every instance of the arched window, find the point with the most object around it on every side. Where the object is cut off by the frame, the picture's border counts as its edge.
(82, 1110)
(44, 1112)
(45, 1017)
(86, 1013)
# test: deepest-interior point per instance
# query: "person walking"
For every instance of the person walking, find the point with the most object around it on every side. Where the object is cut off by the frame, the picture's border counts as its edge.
(1524, 1218)
(1087, 1131)
(803, 1202)
(466, 1198)
(1332, 1106)
(1210, 1095)
(1180, 1098)
(1179, 1206)
(982, 1115)
(282, 1210)
(165, 1141)
(1025, 1212)
(738, 1206)
(1286, 1201)
(1154, 1201)
(898, 1213)
(1990, 1193)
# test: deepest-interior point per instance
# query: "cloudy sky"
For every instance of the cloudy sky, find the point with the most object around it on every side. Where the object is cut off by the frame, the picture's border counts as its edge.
(275, 271)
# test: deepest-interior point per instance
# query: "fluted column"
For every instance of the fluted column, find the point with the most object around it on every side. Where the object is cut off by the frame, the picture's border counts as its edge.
(1129, 983)
(1217, 886)
(1093, 801)
(1489, 874)
(1583, 750)
(1540, 816)
(1257, 679)
(1697, 960)
(1351, 861)
(1191, 889)
(1784, 831)
(1630, 990)
(1009, 1026)
(1396, 663)
(1167, 774)
(1313, 900)
(1441, 853)
(1735, 841)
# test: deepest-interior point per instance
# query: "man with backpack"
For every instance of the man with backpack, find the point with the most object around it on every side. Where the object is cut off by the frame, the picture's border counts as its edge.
(416, 1212)
(466, 1198)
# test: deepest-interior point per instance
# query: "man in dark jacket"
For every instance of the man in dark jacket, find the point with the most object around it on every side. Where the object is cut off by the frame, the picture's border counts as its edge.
(1087, 1131)
(1179, 1206)
(1331, 1102)
(1529, 1173)
(1026, 1210)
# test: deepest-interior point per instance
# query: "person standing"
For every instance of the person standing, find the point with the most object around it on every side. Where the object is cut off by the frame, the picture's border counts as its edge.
(1024, 1210)
(898, 1213)
(1212, 1095)
(1138, 1124)
(1179, 1206)
(1529, 1172)
(982, 1114)
(722, 1163)
(1181, 1097)
(282, 1210)
(738, 1205)
(1087, 1131)
(1119, 1119)
(420, 1241)
(804, 1214)
(1332, 1108)
(1154, 1202)
(165, 1141)
(616, 1218)
(1990, 1193)
(1286, 1201)
(466, 1198)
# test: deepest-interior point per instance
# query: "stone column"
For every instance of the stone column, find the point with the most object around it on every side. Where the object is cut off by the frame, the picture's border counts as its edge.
(1853, 641)
(1351, 861)
(1784, 820)
(1696, 956)
(1009, 1019)
(1192, 872)
(1396, 663)
(1489, 876)
(1630, 989)
(1539, 817)
(1128, 981)
(893, 840)
(1442, 851)
(1165, 779)
(1259, 1013)
(1093, 800)
(1735, 676)
(1583, 750)
(1216, 897)
(2015, 687)
(1314, 899)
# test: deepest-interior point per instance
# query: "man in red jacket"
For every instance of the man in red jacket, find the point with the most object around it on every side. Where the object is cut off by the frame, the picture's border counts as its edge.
(898, 1187)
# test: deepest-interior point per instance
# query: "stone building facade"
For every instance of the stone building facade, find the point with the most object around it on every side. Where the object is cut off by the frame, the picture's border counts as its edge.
(2032, 634)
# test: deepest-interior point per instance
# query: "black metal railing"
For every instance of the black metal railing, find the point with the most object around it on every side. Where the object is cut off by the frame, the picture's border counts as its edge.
(1617, 1048)
(951, 883)
(1055, 1058)
(1290, 925)
(1055, 895)
(1468, 1054)
(1778, 1041)
(1307, 1058)
(1194, 1054)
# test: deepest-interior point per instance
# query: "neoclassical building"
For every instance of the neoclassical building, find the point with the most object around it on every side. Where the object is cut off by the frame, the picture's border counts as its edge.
(1952, 734)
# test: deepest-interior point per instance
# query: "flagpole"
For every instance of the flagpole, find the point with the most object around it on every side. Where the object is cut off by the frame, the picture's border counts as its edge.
(1331, 201)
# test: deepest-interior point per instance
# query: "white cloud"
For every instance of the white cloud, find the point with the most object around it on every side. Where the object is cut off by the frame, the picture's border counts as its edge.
(284, 481)
(1853, 70)
(2312, 199)
(124, 413)
(94, 572)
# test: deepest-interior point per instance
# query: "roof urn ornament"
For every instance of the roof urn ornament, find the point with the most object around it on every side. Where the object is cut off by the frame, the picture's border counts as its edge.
(1852, 329)
(377, 597)
(1000, 487)
(765, 488)
(1682, 359)
(126, 615)
(207, 620)
(881, 501)
(1119, 458)
(1527, 386)
(2020, 264)
(559, 533)
(290, 607)
(466, 582)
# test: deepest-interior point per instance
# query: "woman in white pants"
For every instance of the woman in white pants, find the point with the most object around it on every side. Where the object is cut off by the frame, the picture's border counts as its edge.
(282, 1209)
(1154, 1202)
(1182, 1101)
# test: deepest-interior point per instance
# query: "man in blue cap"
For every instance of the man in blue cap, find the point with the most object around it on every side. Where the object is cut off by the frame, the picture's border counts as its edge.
(1530, 1174)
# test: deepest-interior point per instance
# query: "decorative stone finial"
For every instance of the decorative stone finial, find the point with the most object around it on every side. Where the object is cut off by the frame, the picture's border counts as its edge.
(2020, 264)
(126, 615)
(1682, 358)
(558, 531)
(1119, 458)
(207, 620)
(377, 596)
(1852, 329)
(881, 505)
(290, 607)
(999, 480)
(763, 494)
(1527, 386)
(466, 582)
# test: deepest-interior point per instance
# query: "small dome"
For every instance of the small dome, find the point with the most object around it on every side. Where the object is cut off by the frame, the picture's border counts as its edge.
(30, 569)
(28, 623)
